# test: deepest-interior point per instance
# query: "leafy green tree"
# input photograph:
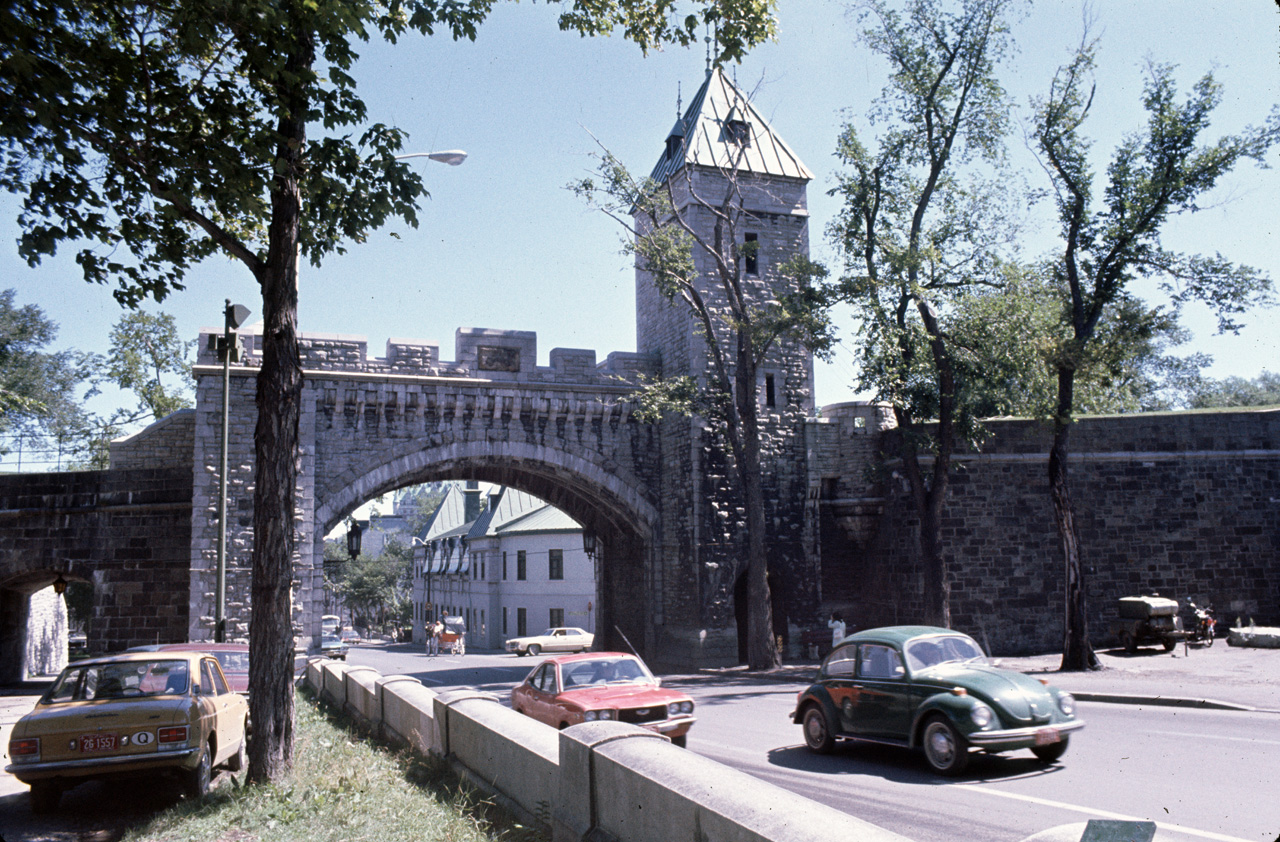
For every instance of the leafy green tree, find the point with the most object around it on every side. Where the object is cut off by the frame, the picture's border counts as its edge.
(1109, 243)
(148, 358)
(1263, 390)
(1005, 337)
(38, 388)
(155, 135)
(914, 238)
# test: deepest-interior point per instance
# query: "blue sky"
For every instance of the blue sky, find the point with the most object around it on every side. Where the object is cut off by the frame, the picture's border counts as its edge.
(502, 244)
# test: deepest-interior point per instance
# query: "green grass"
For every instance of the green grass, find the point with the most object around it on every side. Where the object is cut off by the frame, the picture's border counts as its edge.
(345, 787)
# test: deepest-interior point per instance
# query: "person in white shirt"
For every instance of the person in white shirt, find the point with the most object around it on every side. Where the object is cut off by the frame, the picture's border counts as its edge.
(836, 624)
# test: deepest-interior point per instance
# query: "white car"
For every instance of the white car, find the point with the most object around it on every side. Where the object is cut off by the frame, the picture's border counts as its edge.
(566, 639)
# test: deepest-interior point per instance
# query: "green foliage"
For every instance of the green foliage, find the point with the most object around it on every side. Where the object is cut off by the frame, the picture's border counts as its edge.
(1154, 174)
(155, 135)
(418, 503)
(1263, 390)
(38, 397)
(344, 786)
(145, 349)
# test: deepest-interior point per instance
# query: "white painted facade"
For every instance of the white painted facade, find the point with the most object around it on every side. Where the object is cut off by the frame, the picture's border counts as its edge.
(518, 568)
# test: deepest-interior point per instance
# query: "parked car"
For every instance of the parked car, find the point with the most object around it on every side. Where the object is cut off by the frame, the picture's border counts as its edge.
(934, 689)
(126, 715)
(232, 657)
(570, 689)
(351, 637)
(331, 646)
(565, 639)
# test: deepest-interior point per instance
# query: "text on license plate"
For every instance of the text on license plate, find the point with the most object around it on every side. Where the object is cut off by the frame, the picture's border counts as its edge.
(98, 742)
(1047, 736)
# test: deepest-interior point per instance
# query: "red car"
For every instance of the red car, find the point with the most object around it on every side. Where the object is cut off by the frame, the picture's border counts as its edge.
(232, 657)
(591, 686)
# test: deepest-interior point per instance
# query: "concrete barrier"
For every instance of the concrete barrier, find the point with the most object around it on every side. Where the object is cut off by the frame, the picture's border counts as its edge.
(599, 781)
(409, 716)
(502, 750)
(630, 784)
(359, 684)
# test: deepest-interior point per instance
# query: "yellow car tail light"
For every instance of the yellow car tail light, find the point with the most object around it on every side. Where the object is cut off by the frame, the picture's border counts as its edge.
(175, 734)
(25, 748)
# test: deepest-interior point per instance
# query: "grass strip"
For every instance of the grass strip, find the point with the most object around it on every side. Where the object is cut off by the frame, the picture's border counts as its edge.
(345, 787)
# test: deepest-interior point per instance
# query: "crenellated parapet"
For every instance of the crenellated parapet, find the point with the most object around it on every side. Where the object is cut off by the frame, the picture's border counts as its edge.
(479, 354)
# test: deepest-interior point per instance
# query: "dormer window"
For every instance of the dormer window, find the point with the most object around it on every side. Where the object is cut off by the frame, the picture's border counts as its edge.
(673, 146)
(737, 132)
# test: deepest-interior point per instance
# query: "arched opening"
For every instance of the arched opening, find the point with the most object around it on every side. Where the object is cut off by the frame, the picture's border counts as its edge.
(619, 521)
(35, 624)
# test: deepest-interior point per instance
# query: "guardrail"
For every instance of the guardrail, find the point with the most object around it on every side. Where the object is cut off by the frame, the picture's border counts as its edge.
(598, 781)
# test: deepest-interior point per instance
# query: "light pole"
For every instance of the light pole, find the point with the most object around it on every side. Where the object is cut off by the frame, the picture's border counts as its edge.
(229, 346)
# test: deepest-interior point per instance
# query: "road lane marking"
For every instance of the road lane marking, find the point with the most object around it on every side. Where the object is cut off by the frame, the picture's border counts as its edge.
(1104, 814)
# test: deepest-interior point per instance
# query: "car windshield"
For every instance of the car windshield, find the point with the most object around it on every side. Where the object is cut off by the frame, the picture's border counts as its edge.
(597, 671)
(121, 680)
(926, 652)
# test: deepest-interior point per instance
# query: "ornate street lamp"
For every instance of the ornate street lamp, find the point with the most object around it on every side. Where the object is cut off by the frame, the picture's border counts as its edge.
(590, 544)
(354, 532)
(59, 585)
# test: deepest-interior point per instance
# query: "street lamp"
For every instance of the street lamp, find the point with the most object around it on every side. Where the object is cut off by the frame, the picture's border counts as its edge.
(228, 347)
(354, 531)
(452, 157)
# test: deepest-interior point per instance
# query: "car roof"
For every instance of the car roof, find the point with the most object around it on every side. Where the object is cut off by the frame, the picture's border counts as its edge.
(897, 634)
(203, 647)
(587, 656)
(125, 657)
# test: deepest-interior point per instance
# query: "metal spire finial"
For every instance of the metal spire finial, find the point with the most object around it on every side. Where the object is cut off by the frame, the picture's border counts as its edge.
(679, 101)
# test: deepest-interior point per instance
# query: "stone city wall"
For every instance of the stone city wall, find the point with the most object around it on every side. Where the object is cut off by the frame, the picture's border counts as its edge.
(1183, 504)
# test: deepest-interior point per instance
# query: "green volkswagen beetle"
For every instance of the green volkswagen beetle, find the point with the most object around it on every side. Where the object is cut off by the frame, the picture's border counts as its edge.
(934, 689)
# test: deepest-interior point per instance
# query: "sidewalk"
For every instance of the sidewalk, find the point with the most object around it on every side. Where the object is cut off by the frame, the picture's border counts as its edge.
(1219, 676)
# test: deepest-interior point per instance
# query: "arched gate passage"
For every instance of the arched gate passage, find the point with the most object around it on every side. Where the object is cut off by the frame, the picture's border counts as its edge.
(562, 432)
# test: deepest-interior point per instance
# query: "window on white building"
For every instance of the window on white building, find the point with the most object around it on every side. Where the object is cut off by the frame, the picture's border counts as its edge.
(556, 617)
(555, 568)
(521, 570)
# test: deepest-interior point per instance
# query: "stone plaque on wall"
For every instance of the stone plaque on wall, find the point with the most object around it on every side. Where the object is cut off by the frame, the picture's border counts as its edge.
(497, 358)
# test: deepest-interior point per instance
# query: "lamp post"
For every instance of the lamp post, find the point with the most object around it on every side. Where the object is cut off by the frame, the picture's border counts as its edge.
(452, 157)
(228, 346)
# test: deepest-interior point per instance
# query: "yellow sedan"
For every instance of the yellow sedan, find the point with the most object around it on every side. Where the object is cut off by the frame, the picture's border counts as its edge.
(139, 713)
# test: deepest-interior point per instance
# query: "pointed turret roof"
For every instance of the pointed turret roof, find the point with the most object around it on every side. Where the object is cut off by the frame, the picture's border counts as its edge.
(719, 117)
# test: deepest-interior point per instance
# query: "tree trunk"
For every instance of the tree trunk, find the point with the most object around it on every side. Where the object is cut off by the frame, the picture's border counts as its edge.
(762, 647)
(928, 502)
(279, 399)
(1077, 652)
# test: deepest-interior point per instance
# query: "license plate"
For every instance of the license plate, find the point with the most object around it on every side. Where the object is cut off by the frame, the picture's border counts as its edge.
(1047, 736)
(98, 742)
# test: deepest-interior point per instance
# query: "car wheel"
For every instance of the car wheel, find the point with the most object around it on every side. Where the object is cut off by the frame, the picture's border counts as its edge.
(534, 649)
(681, 741)
(1051, 752)
(196, 781)
(45, 796)
(240, 759)
(1169, 643)
(817, 735)
(1126, 640)
(944, 748)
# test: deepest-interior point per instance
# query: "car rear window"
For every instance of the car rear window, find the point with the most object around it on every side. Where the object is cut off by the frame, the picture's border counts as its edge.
(121, 680)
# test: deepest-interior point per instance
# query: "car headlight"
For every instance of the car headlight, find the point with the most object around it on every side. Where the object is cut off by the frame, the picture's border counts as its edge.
(594, 715)
(682, 707)
(981, 715)
(1067, 704)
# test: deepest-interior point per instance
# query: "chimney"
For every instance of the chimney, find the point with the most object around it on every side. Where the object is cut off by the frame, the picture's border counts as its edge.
(471, 501)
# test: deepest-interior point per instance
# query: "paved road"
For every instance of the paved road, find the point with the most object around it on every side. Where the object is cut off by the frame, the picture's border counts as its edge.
(1162, 757)
(1209, 773)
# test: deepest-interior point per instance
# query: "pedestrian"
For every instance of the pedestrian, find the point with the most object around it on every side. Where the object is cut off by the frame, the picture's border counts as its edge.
(433, 639)
(836, 624)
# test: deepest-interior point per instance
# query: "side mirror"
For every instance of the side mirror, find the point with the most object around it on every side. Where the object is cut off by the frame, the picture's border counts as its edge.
(657, 682)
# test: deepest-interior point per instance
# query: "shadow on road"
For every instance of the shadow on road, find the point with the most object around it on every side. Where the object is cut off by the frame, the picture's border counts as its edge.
(903, 766)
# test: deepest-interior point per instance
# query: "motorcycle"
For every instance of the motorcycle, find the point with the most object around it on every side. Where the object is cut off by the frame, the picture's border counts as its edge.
(1203, 630)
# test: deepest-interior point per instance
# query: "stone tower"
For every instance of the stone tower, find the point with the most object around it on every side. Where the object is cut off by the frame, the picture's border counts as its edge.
(723, 156)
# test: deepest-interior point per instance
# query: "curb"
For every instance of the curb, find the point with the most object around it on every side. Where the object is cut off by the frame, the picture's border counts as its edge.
(1164, 701)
